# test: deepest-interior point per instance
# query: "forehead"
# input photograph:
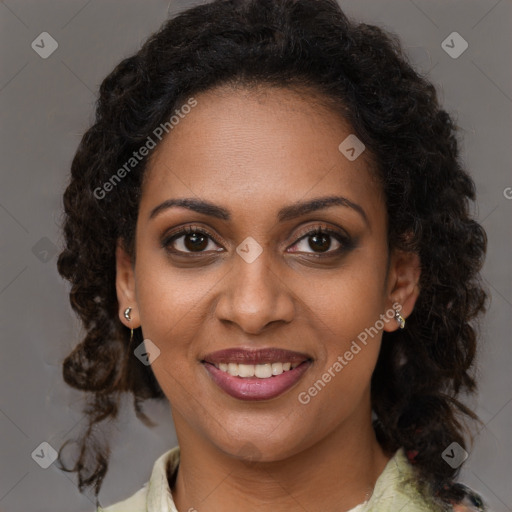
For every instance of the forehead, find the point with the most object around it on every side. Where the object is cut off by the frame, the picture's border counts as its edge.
(254, 148)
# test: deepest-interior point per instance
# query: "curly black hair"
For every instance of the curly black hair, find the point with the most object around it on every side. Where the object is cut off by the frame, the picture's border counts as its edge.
(359, 69)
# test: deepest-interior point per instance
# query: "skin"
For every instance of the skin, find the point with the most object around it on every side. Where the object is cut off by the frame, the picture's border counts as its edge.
(253, 152)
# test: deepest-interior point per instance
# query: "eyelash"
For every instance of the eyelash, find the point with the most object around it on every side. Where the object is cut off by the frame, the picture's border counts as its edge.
(345, 241)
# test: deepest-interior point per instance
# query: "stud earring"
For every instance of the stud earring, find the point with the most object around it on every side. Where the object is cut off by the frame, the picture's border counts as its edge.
(399, 319)
(128, 317)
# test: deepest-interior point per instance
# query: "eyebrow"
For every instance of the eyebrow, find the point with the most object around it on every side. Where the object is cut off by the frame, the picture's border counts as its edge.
(287, 213)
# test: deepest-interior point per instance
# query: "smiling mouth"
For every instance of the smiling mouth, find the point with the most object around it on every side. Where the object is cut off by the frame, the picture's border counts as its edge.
(256, 381)
(261, 371)
(262, 374)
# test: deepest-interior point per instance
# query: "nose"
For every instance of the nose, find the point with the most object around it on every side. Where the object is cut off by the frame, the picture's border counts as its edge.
(255, 296)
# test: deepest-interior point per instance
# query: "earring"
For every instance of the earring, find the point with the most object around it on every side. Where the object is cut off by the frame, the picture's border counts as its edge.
(399, 319)
(127, 312)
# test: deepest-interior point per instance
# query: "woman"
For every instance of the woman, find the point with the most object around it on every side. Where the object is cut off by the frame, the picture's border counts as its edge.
(267, 225)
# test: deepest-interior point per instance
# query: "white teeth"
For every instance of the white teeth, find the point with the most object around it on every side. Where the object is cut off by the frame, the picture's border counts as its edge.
(232, 369)
(262, 371)
(277, 368)
(246, 370)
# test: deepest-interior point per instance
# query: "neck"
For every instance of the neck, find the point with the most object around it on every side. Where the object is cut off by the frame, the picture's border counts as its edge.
(332, 475)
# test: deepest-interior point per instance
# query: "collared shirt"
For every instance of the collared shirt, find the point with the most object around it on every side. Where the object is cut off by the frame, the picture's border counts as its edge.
(394, 490)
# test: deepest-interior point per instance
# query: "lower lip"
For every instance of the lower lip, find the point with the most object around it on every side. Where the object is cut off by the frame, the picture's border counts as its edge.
(253, 388)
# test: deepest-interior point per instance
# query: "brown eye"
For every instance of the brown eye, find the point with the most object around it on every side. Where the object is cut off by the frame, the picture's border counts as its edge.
(190, 240)
(321, 240)
(195, 242)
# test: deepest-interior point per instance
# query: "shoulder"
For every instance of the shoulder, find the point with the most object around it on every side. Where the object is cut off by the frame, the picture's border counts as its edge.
(155, 491)
(135, 503)
(398, 488)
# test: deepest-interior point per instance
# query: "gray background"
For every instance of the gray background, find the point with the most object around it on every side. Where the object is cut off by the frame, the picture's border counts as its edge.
(46, 105)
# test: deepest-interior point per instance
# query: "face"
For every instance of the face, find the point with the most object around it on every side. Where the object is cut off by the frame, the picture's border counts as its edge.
(262, 266)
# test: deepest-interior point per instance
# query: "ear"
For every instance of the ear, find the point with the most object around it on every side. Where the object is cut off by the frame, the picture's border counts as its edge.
(125, 287)
(403, 284)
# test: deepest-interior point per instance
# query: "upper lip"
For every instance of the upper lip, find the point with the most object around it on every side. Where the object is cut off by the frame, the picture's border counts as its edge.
(259, 356)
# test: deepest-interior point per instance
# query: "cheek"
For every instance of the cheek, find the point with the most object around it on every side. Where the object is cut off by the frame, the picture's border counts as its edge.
(349, 301)
(168, 300)
(171, 315)
(347, 313)
(341, 381)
